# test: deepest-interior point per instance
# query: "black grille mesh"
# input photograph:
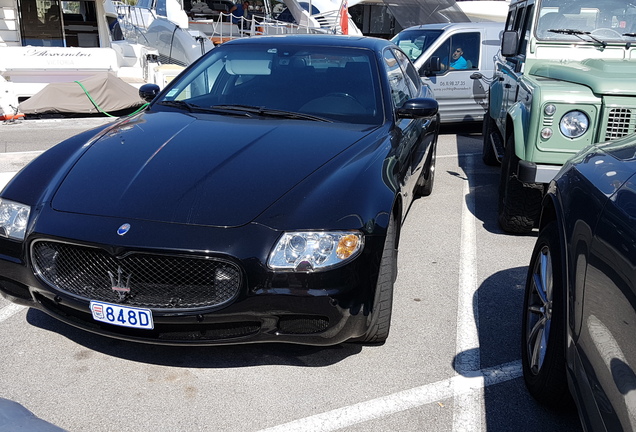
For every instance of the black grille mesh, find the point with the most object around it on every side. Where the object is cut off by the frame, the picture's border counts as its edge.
(155, 281)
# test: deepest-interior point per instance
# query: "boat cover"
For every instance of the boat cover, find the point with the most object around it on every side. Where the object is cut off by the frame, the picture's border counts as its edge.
(108, 93)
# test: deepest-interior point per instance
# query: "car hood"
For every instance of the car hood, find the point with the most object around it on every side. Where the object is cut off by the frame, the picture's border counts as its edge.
(202, 170)
(603, 76)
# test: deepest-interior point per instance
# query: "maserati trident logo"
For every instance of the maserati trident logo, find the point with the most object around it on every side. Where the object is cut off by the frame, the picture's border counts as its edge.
(122, 285)
(123, 229)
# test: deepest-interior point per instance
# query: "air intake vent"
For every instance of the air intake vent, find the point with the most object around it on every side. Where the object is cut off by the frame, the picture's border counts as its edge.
(620, 123)
(302, 324)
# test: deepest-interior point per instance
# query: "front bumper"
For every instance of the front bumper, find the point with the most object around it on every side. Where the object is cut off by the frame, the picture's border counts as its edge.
(322, 308)
(530, 172)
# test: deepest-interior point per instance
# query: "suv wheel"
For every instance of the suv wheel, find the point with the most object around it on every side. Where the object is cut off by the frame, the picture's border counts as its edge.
(519, 203)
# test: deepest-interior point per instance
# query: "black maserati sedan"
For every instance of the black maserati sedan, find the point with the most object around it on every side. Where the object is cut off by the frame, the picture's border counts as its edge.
(579, 319)
(258, 198)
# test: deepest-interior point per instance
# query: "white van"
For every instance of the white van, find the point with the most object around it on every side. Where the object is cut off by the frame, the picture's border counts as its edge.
(457, 61)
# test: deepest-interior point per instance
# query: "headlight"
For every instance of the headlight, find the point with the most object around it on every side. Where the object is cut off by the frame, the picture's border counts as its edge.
(13, 219)
(574, 124)
(314, 251)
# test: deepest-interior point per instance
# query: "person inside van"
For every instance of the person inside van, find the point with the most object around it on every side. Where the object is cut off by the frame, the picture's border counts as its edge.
(457, 59)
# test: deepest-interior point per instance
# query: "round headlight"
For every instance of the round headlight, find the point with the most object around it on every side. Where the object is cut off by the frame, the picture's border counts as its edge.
(574, 124)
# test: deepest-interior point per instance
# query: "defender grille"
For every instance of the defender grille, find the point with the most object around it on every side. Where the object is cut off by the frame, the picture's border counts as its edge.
(620, 123)
(142, 280)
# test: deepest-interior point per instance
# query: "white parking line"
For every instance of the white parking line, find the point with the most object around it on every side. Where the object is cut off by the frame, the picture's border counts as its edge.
(467, 414)
(10, 310)
(401, 401)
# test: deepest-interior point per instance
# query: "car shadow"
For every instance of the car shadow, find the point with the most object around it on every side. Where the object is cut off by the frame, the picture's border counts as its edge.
(498, 303)
(215, 357)
(484, 179)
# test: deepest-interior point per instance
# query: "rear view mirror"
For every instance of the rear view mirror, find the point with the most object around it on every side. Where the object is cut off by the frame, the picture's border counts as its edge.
(509, 43)
(148, 92)
(432, 66)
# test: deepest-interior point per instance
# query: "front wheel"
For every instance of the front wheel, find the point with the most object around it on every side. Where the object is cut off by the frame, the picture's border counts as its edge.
(543, 327)
(383, 300)
(519, 203)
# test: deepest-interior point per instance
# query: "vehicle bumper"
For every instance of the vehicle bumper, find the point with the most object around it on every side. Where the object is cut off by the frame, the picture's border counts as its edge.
(531, 172)
(319, 308)
(266, 317)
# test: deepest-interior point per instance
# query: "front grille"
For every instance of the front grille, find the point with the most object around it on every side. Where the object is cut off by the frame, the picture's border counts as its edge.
(620, 123)
(138, 279)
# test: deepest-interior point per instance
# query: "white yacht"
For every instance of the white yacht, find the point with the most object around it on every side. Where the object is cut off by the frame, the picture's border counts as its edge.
(54, 41)
(183, 30)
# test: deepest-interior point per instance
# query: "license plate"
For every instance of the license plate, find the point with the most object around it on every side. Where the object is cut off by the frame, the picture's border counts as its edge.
(122, 315)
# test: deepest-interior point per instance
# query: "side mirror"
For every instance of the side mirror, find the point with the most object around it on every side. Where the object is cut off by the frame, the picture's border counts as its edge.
(148, 92)
(418, 107)
(509, 43)
(432, 66)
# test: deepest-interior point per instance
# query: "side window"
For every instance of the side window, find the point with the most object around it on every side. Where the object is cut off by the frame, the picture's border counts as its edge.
(510, 19)
(461, 51)
(400, 91)
(161, 8)
(412, 78)
(526, 29)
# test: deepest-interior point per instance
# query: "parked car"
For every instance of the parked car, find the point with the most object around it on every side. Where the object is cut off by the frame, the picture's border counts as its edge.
(580, 303)
(231, 211)
(462, 92)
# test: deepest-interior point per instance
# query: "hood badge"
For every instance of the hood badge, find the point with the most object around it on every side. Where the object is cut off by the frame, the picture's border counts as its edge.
(123, 229)
(122, 285)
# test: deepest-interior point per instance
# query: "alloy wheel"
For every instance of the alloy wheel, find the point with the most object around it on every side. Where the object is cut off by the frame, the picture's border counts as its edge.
(539, 310)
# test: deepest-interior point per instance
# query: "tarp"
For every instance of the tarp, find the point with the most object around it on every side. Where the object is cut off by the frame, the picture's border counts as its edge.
(109, 93)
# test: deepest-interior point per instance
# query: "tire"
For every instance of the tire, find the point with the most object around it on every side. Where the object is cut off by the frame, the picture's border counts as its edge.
(489, 132)
(519, 203)
(543, 328)
(383, 302)
(425, 183)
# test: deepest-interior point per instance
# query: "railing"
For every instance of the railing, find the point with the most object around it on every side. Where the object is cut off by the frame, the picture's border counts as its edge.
(221, 28)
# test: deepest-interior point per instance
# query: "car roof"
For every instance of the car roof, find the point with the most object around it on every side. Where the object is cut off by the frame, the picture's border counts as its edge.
(466, 25)
(315, 39)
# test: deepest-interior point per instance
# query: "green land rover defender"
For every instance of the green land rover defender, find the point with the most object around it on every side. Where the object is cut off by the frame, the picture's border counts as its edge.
(565, 78)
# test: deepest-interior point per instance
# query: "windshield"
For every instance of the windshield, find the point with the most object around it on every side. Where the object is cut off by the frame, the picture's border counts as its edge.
(333, 83)
(573, 20)
(415, 42)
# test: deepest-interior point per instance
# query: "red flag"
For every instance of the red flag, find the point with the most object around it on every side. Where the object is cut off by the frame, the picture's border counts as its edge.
(344, 18)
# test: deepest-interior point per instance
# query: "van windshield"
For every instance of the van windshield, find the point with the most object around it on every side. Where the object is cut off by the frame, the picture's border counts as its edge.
(414, 42)
(607, 20)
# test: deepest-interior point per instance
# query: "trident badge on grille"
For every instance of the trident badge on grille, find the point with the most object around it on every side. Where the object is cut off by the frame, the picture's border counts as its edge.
(122, 285)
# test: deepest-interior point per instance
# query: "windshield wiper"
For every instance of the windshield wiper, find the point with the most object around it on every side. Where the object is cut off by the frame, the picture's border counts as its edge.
(578, 34)
(192, 107)
(179, 104)
(262, 111)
